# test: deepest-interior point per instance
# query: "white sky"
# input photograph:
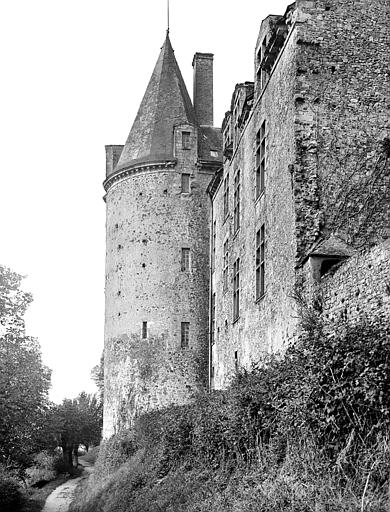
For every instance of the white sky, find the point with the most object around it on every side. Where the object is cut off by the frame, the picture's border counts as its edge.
(73, 74)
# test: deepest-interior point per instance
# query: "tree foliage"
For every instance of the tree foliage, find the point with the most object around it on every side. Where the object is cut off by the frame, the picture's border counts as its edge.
(24, 380)
(77, 421)
(97, 375)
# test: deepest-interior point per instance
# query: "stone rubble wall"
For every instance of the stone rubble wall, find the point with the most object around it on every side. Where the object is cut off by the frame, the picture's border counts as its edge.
(341, 175)
(359, 288)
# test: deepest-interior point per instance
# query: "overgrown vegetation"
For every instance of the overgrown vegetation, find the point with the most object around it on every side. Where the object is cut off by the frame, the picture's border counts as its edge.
(305, 432)
(31, 427)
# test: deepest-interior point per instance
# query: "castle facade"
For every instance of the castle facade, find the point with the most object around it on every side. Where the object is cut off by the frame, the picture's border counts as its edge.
(215, 236)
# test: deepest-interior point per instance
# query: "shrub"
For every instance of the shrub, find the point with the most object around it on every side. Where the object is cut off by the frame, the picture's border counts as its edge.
(308, 430)
(91, 455)
(114, 452)
(43, 468)
(12, 496)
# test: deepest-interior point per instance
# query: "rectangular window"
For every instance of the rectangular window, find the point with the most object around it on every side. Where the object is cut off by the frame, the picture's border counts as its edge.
(185, 334)
(260, 160)
(214, 242)
(185, 260)
(225, 265)
(144, 330)
(260, 262)
(236, 203)
(185, 183)
(212, 327)
(186, 140)
(236, 126)
(226, 196)
(236, 289)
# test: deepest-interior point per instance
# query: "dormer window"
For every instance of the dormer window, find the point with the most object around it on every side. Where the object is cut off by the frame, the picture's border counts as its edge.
(227, 141)
(262, 74)
(236, 124)
(269, 50)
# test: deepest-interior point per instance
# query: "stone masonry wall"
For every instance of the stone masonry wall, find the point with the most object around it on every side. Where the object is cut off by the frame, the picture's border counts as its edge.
(149, 221)
(341, 175)
(268, 323)
(359, 288)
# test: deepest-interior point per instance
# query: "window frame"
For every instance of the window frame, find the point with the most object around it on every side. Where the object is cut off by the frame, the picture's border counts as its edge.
(186, 140)
(214, 245)
(226, 192)
(237, 201)
(260, 169)
(185, 259)
(260, 263)
(225, 272)
(236, 290)
(185, 335)
(212, 327)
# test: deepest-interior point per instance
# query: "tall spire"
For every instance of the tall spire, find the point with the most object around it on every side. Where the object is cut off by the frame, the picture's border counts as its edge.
(167, 16)
(166, 104)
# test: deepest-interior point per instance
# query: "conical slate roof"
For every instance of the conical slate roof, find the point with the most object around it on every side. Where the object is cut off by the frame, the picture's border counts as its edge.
(166, 103)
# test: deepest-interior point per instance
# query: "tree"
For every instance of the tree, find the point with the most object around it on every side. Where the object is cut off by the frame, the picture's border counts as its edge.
(97, 375)
(24, 380)
(79, 421)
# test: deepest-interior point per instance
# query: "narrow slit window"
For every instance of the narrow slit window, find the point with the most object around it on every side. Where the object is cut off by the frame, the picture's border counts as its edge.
(185, 183)
(214, 243)
(226, 196)
(260, 262)
(236, 211)
(260, 160)
(185, 334)
(212, 333)
(144, 330)
(185, 260)
(225, 265)
(236, 289)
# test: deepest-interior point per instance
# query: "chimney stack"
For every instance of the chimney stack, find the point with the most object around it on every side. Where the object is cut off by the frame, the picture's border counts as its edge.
(203, 88)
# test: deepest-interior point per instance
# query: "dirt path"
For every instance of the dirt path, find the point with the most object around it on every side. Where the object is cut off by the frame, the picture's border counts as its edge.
(60, 499)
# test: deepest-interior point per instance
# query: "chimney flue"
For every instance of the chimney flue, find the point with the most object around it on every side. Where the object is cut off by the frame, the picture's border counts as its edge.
(203, 88)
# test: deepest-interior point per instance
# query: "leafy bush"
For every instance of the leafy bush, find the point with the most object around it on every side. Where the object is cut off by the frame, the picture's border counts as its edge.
(43, 468)
(12, 495)
(114, 452)
(306, 431)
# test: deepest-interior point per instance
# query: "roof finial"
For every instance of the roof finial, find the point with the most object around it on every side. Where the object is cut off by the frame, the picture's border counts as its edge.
(167, 17)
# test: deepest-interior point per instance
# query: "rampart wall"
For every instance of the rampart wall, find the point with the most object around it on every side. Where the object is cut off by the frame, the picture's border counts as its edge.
(341, 174)
(359, 288)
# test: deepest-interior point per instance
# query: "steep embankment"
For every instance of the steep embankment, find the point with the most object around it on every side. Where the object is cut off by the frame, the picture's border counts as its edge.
(306, 432)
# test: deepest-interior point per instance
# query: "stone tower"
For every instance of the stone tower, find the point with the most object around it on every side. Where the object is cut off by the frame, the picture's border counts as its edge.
(157, 237)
